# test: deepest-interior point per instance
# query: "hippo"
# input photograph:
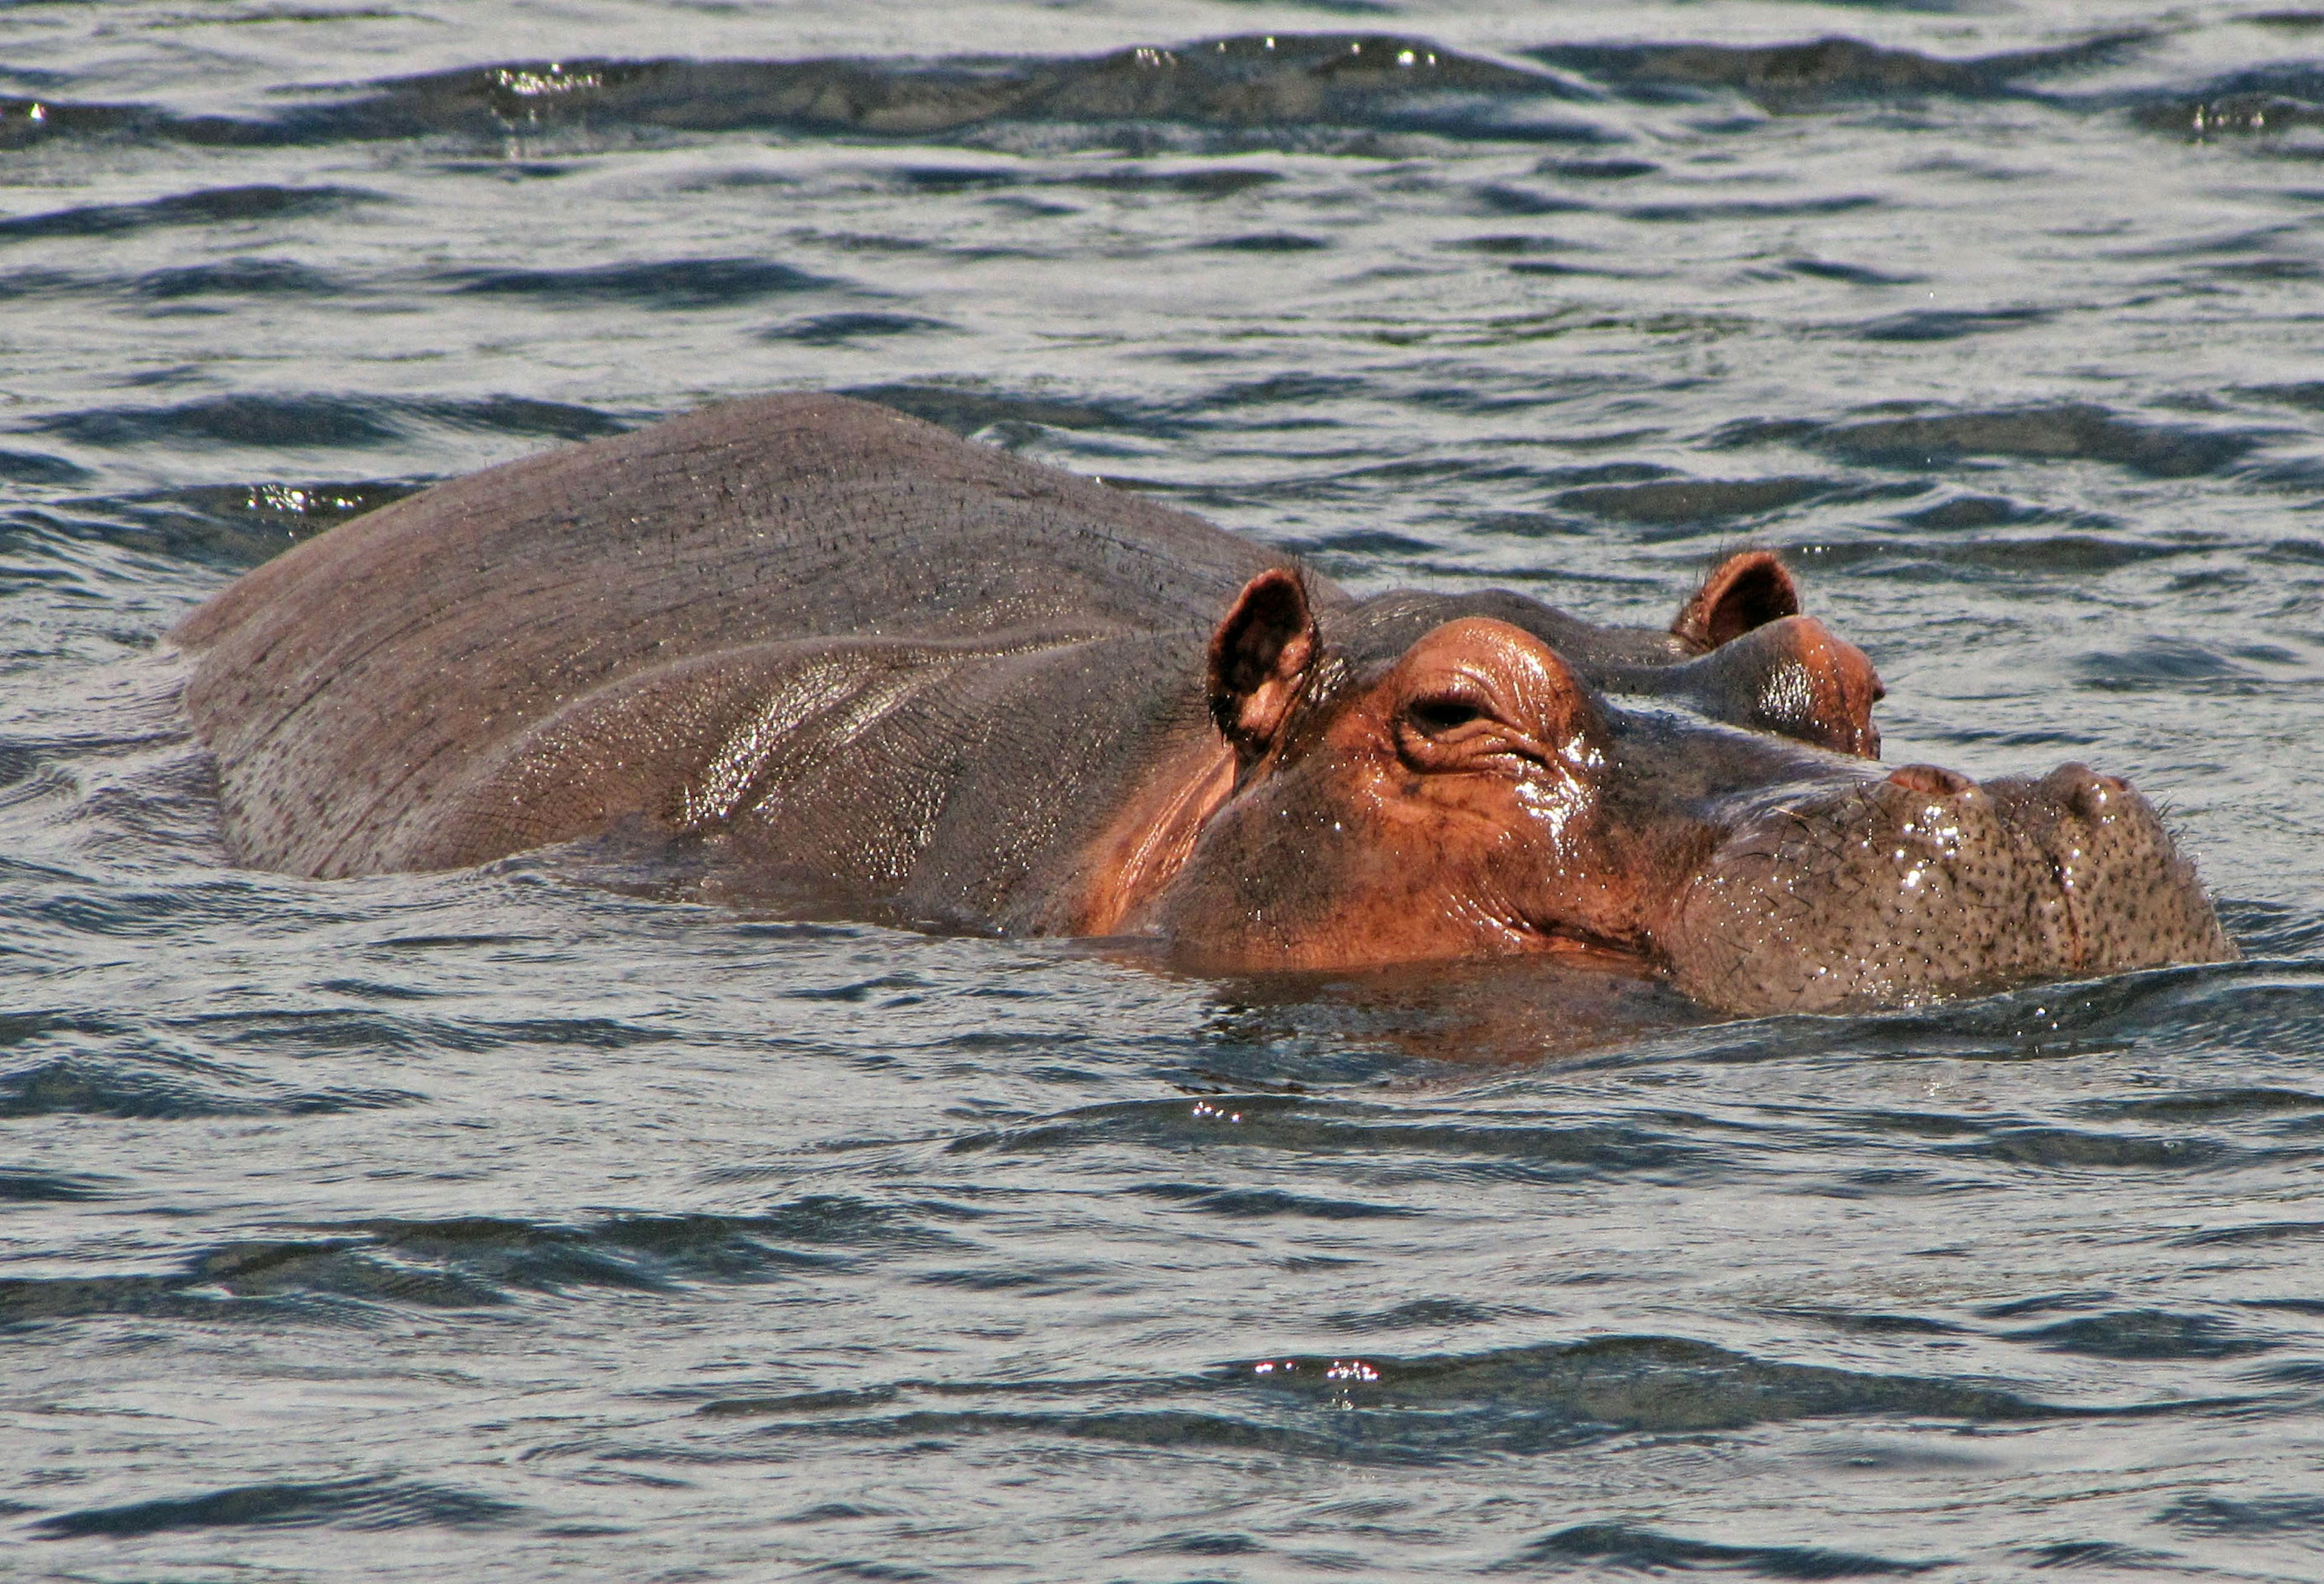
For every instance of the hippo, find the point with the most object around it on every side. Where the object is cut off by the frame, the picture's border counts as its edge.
(836, 658)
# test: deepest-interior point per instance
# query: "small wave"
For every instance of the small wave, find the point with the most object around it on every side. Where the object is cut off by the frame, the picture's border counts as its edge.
(87, 1086)
(300, 507)
(235, 525)
(1665, 502)
(1210, 182)
(307, 421)
(649, 1251)
(1497, 247)
(664, 283)
(1202, 1543)
(1371, 542)
(1253, 86)
(1797, 76)
(2293, 475)
(19, 763)
(33, 467)
(210, 206)
(333, 423)
(1267, 241)
(1851, 274)
(1595, 1547)
(1035, 1279)
(1312, 1127)
(373, 1502)
(950, 179)
(2260, 1232)
(1297, 390)
(240, 278)
(2308, 394)
(1598, 169)
(2061, 554)
(1655, 1384)
(839, 329)
(2243, 1007)
(31, 285)
(344, 1272)
(1972, 511)
(2086, 1554)
(2075, 1149)
(520, 415)
(2207, 1105)
(856, 991)
(1178, 1430)
(1417, 1411)
(1268, 1202)
(2067, 431)
(265, 1282)
(1950, 324)
(1752, 209)
(30, 1187)
(2270, 269)
(24, 123)
(968, 409)
(840, 1399)
(1417, 1315)
(2298, 1514)
(499, 1255)
(2173, 664)
(2257, 102)
(1502, 198)
(2146, 1333)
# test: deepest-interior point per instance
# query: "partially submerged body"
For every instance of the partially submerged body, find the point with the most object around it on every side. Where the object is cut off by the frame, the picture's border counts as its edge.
(834, 651)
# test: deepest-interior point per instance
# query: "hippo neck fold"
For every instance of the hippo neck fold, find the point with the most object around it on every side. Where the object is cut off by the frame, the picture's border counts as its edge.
(1137, 856)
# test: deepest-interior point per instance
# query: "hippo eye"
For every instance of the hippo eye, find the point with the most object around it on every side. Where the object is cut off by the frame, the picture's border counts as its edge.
(1439, 716)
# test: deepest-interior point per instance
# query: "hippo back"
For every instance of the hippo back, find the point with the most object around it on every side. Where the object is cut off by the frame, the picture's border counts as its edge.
(344, 684)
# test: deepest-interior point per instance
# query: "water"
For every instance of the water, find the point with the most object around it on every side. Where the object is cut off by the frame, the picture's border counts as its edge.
(496, 1225)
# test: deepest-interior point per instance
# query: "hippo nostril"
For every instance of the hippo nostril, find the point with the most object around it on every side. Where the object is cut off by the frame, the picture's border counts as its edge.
(1932, 779)
(2092, 794)
(2083, 792)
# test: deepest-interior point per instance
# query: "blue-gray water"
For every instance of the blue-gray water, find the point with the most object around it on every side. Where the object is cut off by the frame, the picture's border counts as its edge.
(496, 1225)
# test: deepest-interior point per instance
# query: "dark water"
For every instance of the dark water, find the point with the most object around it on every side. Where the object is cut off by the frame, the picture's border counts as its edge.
(491, 1224)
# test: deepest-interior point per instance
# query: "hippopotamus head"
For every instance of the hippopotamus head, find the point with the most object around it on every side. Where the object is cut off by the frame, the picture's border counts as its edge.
(1425, 776)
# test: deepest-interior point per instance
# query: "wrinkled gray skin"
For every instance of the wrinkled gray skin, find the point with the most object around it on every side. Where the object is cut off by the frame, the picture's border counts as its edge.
(867, 658)
(836, 656)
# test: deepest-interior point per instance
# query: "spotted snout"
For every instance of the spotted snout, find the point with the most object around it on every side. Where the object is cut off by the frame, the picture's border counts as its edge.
(1925, 883)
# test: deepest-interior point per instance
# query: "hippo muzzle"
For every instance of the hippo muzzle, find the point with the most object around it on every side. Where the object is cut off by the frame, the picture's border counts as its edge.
(1924, 883)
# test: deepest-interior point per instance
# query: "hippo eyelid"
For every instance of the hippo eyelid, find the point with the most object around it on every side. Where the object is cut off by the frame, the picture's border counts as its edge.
(1456, 730)
(1438, 715)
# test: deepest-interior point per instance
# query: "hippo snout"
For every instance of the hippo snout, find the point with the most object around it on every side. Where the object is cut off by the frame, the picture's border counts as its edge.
(1925, 883)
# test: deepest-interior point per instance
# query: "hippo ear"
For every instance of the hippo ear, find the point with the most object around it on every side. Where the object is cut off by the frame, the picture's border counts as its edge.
(1748, 589)
(1259, 658)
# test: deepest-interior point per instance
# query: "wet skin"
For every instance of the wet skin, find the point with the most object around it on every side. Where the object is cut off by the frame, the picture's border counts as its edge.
(829, 656)
(1721, 817)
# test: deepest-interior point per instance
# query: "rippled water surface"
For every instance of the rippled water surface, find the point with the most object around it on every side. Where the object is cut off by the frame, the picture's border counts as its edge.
(496, 1225)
